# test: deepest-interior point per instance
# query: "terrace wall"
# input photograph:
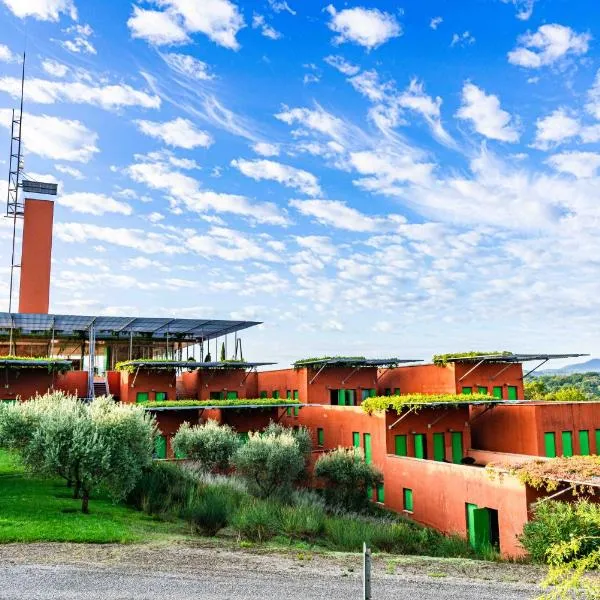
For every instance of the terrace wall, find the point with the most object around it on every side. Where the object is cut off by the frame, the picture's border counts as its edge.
(281, 381)
(419, 379)
(114, 383)
(487, 375)
(25, 383)
(227, 380)
(147, 381)
(73, 382)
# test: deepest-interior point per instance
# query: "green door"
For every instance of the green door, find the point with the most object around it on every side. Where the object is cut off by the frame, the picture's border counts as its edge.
(420, 445)
(342, 397)
(550, 444)
(141, 397)
(439, 447)
(380, 493)
(407, 494)
(467, 391)
(512, 392)
(232, 395)
(160, 446)
(401, 445)
(497, 392)
(584, 443)
(482, 389)
(263, 394)
(351, 397)
(320, 436)
(296, 395)
(275, 393)
(368, 450)
(356, 439)
(457, 447)
(597, 441)
(372, 393)
(478, 526)
(567, 443)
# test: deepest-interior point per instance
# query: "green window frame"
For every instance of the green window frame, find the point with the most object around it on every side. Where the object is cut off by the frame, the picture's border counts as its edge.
(457, 447)
(296, 395)
(380, 493)
(341, 397)
(351, 397)
(482, 389)
(567, 443)
(497, 392)
(550, 444)
(356, 439)
(160, 446)
(320, 436)
(160, 396)
(396, 391)
(512, 392)
(407, 495)
(467, 391)
(401, 445)
(439, 447)
(420, 444)
(368, 448)
(232, 396)
(141, 397)
(288, 394)
(597, 441)
(584, 442)
(263, 394)
(276, 394)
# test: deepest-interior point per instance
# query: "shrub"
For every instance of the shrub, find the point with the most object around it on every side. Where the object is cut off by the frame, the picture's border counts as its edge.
(347, 477)
(211, 444)
(210, 511)
(257, 520)
(302, 522)
(270, 463)
(555, 522)
(301, 435)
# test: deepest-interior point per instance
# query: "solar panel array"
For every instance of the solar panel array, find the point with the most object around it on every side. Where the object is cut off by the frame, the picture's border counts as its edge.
(30, 325)
(511, 358)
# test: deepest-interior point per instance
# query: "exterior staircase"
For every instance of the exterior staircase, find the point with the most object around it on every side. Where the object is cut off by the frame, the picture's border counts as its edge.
(101, 388)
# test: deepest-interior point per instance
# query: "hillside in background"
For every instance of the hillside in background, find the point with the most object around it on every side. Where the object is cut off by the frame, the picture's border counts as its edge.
(585, 367)
(588, 382)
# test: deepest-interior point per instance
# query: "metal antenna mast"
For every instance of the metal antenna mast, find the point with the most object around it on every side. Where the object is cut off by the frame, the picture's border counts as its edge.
(14, 208)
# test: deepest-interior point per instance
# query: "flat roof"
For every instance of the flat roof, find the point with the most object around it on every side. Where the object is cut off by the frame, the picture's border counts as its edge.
(116, 328)
(34, 362)
(221, 406)
(510, 358)
(354, 361)
(192, 364)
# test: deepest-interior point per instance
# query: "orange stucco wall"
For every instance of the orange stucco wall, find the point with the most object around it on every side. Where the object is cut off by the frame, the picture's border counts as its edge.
(520, 428)
(226, 380)
(419, 379)
(36, 256)
(490, 375)
(114, 383)
(25, 383)
(282, 380)
(73, 382)
(146, 381)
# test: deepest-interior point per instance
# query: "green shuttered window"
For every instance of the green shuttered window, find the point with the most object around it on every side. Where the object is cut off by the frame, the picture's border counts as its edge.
(467, 391)
(567, 443)
(497, 392)
(401, 445)
(320, 436)
(482, 389)
(380, 493)
(160, 396)
(263, 394)
(550, 444)
(160, 446)
(420, 445)
(597, 441)
(457, 447)
(275, 393)
(356, 439)
(408, 499)
(141, 397)
(512, 392)
(584, 443)
(368, 450)
(439, 447)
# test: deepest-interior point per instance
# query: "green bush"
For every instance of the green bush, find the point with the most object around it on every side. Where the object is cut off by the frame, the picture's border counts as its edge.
(347, 477)
(257, 520)
(302, 522)
(554, 522)
(270, 463)
(301, 435)
(210, 511)
(211, 444)
(164, 489)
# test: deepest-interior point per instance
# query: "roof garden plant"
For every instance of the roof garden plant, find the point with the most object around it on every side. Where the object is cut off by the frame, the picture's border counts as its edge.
(162, 364)
(443, 359)
(53, 364)
(416, 401)
(304, 362)
(227, 403)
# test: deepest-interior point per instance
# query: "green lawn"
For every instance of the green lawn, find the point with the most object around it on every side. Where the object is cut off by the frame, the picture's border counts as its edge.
(41, 510)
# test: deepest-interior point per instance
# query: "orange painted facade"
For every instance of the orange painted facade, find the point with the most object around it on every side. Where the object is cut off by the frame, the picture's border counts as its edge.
(36, 257)
(145, 385)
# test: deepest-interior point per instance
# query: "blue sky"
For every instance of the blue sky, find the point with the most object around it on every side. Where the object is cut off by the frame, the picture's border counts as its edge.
(364, 178)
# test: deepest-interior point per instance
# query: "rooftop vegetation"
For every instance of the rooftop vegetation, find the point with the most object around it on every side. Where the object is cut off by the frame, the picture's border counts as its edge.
(546, 474)
(443, 359)
(399, 403)
(309, 361)
(228, 403)
(53, 364)
(163, 364)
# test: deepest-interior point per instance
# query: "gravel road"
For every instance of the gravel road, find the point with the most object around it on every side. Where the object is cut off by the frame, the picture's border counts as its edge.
(80, 572)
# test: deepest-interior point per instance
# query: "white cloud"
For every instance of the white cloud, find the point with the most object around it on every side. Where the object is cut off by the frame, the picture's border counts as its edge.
(555, 128)
(42, 10)
(579, 164)
(549, 44)
(230, 245)
(524, 8)
(219, 20)
(342, 65)
(6, 55)
(368, 27)
(435, 22)
(156, 27)
(487, 116)
(108, 97)
(54, 68)
(55, 138)
(291, 177)
(281, 6)
(266, 149)
(93, 204)
(593, 95)
(180, 133)
(155, 217)
(80, 43)
(259, 22)
(71, 171)
(318, 120)
(462, 39)
(137, 239)
(188, 65)
(335, 213)
(185, 189)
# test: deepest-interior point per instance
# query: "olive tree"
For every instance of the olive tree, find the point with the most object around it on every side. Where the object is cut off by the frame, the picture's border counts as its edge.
(347, 477)
(211, 444)
(270, 463)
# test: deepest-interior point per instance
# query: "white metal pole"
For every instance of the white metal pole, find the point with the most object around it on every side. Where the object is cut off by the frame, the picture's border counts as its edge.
(366, 572)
